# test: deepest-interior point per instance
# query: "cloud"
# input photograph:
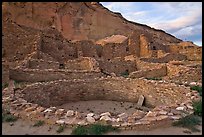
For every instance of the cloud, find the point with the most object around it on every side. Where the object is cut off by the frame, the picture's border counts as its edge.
(182, 19)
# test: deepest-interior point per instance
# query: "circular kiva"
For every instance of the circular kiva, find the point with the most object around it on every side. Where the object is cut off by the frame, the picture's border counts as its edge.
(59, 92)
(167, 101)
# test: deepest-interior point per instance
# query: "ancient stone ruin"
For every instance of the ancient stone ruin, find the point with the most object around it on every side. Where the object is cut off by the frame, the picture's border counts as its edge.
(66, 55)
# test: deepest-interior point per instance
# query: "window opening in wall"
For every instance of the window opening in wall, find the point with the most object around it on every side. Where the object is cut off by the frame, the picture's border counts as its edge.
(127, 48)
(61, 66)
(154, 48)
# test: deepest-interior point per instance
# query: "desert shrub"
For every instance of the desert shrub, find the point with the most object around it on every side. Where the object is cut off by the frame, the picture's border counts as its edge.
(197, 88)
(154, 78)
(125, 74)
(197, 107)
(189, 122)
(4, 85)
(94, 129)
(8, 118)
(60, 128)
(39, 123)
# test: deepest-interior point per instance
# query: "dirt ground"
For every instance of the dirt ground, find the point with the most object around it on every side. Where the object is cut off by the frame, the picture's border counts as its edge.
(22, 127)
(101, 106)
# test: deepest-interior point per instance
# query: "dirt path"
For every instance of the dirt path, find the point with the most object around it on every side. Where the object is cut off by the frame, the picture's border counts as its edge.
(22, 127)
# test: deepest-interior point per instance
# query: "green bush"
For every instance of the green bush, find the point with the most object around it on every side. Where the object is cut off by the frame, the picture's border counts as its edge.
(8, 118)
(197, 107)
(4, 85)
(154, 78)
(197, 88)
(95, 129)
(189, 122)
(125, 74)
(39, 123)
(80, 130)
(60, 128)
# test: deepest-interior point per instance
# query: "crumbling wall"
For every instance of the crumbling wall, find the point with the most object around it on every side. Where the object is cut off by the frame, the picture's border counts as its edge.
(189, 49)
(42, 64)
(18, 41)
(117, 66)
(35, 75)
(5, 73)
(174, 48)
(158, 72)
(56, 46)
(184, 74)
(144, 46)
(134, 43)
(167, 58)
(88, 48)
(113, 50)
(142, 65)
(85, 63)
(161, 53)
(192, 53)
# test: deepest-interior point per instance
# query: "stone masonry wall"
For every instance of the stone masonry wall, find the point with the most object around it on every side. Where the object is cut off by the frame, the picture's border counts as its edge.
(56, 46)
(18, 41)
(134, 43)
(117, 66)
(192, 53)
(117, 89)
(144, 46)
(88, 48)
(142, 65)
(42, 64)
(84, 63)
(113, 50)
(35, 75)
(167, 58)
(150, 73)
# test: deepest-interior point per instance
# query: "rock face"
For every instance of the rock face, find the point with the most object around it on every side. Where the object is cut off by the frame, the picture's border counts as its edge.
(77, 21)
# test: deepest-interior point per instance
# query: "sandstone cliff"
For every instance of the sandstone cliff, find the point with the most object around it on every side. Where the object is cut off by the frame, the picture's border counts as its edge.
(78, 20)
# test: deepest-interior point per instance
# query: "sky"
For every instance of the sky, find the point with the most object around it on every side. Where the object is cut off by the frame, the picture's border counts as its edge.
(181, 19)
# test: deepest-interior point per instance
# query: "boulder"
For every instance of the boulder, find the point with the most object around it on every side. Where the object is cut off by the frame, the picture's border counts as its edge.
(123, 116)
(90, 119)
(59, 112)
(105, 114)
(140, 101)
(151, 114)
(162, 112)
(69, 113)
(90, 115)
(181, 108)
(30, 109)
(105, 118)
(96, 117)
(60, 121)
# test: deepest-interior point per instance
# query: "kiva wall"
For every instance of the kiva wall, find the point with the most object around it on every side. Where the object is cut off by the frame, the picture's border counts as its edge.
(35, 75)
(116, 89)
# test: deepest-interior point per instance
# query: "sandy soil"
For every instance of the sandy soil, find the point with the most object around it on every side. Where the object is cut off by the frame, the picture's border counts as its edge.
(100, 106)
(22, 127)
